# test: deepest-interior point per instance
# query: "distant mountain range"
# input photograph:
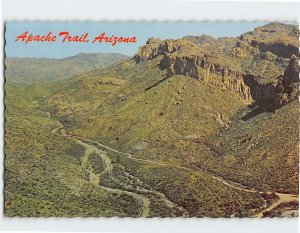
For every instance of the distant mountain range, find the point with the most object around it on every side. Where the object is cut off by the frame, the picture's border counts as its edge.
(33, 70)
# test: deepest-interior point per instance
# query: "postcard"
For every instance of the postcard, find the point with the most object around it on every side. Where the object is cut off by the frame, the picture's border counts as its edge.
(151, 119)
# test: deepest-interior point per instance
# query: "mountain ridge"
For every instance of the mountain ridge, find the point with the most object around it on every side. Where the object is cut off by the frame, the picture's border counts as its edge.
(27, 70)
(199, 61)
(82, 54)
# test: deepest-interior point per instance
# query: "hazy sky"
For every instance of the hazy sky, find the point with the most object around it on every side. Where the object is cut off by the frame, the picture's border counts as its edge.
(142, 31)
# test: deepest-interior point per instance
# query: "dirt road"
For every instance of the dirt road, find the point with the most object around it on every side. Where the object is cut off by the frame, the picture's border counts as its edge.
(91, 146)
(139, 187)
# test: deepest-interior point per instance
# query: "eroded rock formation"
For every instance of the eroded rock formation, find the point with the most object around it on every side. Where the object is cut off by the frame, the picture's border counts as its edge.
(155, 47)
(287, 87)
(204, 69)
(244, 69)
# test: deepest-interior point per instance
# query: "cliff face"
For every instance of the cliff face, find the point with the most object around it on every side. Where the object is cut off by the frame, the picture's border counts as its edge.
(291, 74)
(279, 48)
(260, 66)
(155, 47)
(180, 57)
(204, 69)
(262, 93)
(287, 87)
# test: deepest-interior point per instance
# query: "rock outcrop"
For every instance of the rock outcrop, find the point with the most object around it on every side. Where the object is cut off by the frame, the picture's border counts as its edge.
(287, 87)
(263, 94)
(181, 57)
(204, 69)
(243, 49)
(155, 47)
(291, 74)
(277, 38)
(279, 48)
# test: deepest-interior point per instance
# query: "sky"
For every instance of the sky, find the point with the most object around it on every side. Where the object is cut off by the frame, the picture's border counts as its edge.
(141, 30)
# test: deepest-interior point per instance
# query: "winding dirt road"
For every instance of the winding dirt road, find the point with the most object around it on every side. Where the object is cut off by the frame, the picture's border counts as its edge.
(95, 179)
(282, 197)
(90, 148)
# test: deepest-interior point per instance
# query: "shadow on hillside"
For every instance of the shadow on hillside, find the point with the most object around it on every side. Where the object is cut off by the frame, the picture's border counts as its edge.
(155, 84)
(257, 109)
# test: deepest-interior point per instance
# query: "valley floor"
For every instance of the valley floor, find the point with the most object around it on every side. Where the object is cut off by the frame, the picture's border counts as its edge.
(142, 194)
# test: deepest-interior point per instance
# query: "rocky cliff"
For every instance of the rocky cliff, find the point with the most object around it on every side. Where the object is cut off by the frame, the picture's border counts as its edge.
(181, 57)
(205, 69)
(287, 87)
(253, 66)
(155, 47)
